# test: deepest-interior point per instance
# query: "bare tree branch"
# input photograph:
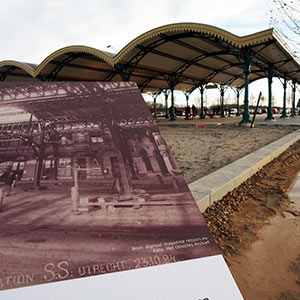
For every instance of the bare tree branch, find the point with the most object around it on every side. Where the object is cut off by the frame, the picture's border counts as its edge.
(285, 18)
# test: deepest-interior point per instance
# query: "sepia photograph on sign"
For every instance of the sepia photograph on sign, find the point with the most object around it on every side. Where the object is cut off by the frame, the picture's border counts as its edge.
(88, 185)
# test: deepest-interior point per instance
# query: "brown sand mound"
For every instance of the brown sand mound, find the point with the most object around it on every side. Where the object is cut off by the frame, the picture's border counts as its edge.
(248, 207)
(264, 260)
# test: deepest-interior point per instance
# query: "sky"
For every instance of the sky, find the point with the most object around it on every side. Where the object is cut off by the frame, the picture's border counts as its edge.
(33, 29)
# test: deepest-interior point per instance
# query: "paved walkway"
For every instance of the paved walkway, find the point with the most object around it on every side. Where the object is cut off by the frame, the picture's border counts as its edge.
(259, 119)
(214, 186)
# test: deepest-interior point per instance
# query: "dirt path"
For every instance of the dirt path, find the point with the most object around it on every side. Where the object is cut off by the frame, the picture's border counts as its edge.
(258, 230)
(269, 269)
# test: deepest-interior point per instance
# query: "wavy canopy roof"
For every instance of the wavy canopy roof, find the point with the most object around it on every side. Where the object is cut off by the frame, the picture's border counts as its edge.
(181, 56)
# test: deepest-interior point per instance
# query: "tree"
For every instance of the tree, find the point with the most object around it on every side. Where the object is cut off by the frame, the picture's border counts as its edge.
(262, 100)
(285, 18)
(252, 99)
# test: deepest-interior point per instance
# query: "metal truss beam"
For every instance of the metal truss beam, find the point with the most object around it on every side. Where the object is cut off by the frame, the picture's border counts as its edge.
(83, 67)
(60, 65)
(6, 73)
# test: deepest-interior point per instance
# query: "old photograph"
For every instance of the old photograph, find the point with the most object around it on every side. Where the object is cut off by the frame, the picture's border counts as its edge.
(88, 185)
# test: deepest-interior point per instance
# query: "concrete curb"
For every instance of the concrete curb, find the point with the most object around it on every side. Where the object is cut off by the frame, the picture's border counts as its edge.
(214, 186)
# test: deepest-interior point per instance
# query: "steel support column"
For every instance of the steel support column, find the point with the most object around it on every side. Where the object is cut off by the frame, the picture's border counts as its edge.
(222, 93)
(123, 177)
(40, 158)
(238, 93)
(172, 81)
(201, 88)
(270, 80)
(166, 93)
(172, 110)
(154, 104)
(247, 69)
(294, 100)
(124, 71)
(284, 115)
(187, 96)
(187, 111)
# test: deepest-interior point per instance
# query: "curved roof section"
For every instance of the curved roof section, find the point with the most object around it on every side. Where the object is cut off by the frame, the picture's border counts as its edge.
(230, 38)
(195, 53)
(182, 55)
(21, 70)
(102, 55)
(76, 63)
(27, 67)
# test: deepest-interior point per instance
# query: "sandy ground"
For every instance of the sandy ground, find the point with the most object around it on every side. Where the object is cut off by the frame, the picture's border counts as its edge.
(257, 225)
(202, 150)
